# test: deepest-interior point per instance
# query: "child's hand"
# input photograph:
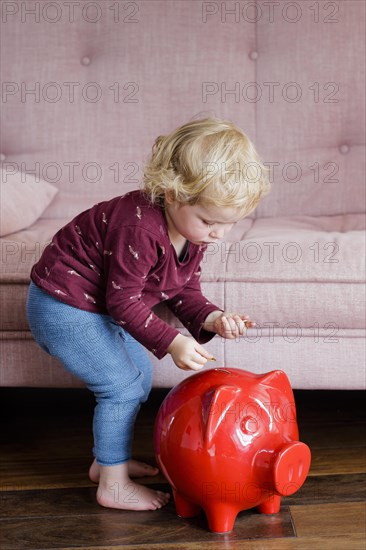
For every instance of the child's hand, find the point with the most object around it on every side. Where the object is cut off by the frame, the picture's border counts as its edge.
(232, 325)
(188, 354)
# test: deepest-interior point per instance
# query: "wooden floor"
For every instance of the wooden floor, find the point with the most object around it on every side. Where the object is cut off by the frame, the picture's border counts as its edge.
(48, 502)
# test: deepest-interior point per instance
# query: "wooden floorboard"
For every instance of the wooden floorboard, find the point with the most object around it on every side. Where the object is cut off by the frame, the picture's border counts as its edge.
(341, 518)
(350, 542)
(74, 519)
(48, 502)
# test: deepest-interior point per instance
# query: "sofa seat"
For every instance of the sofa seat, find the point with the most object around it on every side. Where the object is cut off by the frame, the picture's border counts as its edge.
(259, 257)
(300, 278)
(305, 270)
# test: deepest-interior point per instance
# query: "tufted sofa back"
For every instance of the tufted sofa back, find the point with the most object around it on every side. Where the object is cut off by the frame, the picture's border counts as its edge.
(88, 85)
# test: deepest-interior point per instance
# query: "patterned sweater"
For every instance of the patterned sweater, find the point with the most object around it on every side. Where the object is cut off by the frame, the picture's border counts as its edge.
(116, 258)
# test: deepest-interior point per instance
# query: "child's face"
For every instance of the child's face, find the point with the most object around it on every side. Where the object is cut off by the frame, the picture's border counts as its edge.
(200, 224)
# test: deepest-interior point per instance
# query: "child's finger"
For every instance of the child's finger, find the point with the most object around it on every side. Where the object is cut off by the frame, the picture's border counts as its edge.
(184, 367)
(225, 324)
(240, 324)
(198, 359)
(204, 353)
(229, 326)
(190, 365)
(195, 365)
(247, 320)
(233, 326)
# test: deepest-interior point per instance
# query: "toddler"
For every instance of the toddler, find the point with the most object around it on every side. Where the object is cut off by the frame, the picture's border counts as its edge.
(92, 292)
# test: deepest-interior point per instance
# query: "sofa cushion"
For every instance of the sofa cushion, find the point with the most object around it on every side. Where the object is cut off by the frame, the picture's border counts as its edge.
(23, 199)
(264, 268)
(298, 248)
(21, 250)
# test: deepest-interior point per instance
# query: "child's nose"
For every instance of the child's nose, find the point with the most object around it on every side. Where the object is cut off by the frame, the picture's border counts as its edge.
(218, 233)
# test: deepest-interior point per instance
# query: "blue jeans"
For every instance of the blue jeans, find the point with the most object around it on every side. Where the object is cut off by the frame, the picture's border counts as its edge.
(113, 365)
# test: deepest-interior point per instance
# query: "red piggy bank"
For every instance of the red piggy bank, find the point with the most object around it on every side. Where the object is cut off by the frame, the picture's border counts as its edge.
(227, 440)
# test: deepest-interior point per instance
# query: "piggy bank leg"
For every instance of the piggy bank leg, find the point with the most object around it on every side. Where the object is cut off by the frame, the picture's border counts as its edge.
(184, 508)
(221, 517)
(270, 506)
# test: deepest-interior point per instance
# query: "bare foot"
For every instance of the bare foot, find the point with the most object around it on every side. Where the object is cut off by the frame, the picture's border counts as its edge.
(117, 490)
(135, 469)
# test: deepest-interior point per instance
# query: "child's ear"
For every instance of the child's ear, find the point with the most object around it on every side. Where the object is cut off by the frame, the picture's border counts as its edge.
(169, 196)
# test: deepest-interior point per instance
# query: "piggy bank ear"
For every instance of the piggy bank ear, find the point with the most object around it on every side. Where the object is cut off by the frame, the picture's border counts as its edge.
(277, 379)
(222, 400)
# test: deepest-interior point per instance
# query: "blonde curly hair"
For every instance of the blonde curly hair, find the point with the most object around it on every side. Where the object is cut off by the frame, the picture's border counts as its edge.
(211, 155)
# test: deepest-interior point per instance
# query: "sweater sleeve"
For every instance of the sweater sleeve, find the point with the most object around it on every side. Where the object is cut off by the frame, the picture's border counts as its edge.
(131, 252)
(192, 308)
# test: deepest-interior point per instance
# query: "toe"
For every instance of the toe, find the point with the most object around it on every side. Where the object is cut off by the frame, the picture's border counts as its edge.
(164, 496)
(161, 498)
(151, 469)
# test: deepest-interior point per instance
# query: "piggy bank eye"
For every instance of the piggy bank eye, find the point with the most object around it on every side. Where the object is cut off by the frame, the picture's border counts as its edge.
(249, 425)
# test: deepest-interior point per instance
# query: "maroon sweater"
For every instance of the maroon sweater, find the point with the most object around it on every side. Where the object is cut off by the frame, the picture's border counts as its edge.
(116, 258)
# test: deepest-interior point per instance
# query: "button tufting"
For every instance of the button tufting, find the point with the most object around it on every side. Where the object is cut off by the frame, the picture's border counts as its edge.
(86, 60)
(344, 148)
(2, 157)
(253, 55)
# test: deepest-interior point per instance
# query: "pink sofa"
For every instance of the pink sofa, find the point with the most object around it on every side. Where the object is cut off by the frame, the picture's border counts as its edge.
(88, 89)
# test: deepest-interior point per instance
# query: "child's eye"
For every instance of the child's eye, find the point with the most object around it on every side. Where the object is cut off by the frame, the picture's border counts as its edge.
(207, 223)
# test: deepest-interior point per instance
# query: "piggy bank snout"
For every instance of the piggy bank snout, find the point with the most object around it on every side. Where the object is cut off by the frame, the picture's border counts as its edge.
(291, 468)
